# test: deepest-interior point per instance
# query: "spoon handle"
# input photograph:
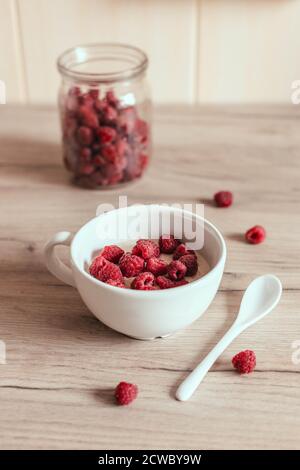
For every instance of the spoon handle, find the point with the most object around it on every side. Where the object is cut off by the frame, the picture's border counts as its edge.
(192, 381)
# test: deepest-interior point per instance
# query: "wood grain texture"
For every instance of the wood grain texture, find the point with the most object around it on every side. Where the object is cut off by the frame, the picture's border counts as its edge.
(62, 364)
(248, 51)
(206, 51)
(166, 33)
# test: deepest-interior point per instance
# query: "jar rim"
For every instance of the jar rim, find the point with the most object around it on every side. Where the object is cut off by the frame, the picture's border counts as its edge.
(82, 54)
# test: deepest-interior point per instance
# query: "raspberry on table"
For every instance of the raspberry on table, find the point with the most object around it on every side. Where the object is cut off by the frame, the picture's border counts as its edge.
(182, 250)
(112, 253)
(144, 281)
(176, 270)
(131, 265)
(255, 235)
(168, 244)
(244, 362)
(156, 266)
(165, 283)
(191, 263)
(146, 249)
(125, 393)
(223, 198)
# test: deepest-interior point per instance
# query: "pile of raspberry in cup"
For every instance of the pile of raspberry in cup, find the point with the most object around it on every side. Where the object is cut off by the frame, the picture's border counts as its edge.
(104, 142)
(144, 266)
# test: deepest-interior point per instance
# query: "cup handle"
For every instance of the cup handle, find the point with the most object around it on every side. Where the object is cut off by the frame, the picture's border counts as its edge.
(53, 263)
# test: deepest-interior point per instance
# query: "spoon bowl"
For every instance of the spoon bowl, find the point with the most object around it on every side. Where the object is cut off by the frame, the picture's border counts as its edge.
(259, 299)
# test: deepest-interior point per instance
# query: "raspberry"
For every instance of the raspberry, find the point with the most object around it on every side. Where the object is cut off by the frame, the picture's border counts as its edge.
(69, 128)
(98, 130)
(191, 263)
(127, 119)
(144, 281)
(165, 283)
(182, 250)
(141, 130)
(110, 153)
(122, 147)
(96, 148)
(99, 160)
(131, 265)
(116, 178)
(156, 266)
(110, 170)
(99, 179)
(106, 134)
(104, 270)
(244, 362)
(110, 114)
(97, 265)
(74, 91)
(86, 99)
(86, 169)
(111, 98)
(125, 393)
(255, 235)
(85, 154)
(177, 270)
(94, 94)
(85, 135)
(146, 249)
(112, 253)
(110, 272)
(72, 99)
(223, 198)
(143, 161)
(100, 105)
(168, 244)
(88, 117)
(116, 283)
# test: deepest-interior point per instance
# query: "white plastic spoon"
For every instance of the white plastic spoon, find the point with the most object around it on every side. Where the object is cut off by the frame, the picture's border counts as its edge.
(261, 296)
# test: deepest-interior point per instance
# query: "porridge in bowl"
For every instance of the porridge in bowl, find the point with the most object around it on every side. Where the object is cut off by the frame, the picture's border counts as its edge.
(149, 264)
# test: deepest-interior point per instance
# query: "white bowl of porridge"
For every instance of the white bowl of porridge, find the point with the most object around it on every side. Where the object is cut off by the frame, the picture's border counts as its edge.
(141, 314)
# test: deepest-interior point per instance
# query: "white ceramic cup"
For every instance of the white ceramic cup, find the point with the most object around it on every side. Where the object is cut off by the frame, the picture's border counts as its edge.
(139, 314)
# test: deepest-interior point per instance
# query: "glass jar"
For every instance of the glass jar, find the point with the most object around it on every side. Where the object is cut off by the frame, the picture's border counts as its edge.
(105, 110)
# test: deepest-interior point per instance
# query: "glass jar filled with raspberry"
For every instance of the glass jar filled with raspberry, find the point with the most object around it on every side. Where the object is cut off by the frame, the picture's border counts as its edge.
(105, 114)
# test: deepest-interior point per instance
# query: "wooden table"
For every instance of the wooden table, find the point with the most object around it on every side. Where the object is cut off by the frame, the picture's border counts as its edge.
(56, 389)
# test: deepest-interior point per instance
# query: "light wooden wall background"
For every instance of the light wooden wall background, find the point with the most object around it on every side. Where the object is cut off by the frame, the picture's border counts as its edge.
(200, 50)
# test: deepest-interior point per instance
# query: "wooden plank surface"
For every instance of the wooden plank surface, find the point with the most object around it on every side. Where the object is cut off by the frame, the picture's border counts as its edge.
(12, 70)
(166, 33)
(248, 51)
(62, 363)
